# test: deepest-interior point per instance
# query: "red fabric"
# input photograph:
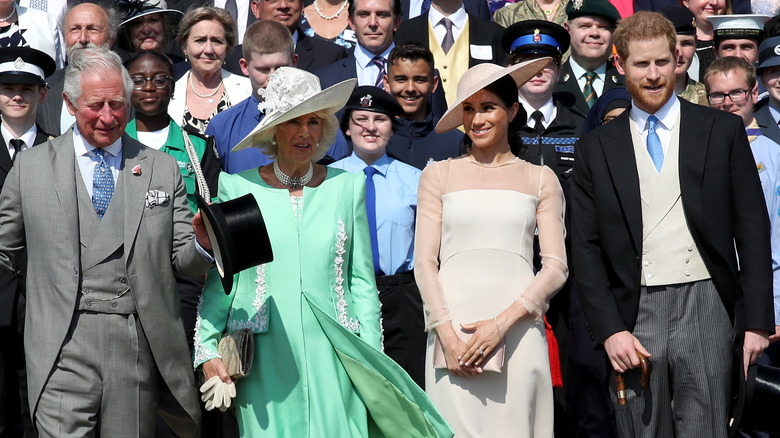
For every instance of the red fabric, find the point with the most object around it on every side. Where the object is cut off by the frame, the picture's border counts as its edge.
(555, 356)
(625, 7)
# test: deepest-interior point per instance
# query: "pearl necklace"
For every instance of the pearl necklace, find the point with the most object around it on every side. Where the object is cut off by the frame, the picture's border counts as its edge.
(293, 182)
(325, 17)
(13, 11)
(210, 97)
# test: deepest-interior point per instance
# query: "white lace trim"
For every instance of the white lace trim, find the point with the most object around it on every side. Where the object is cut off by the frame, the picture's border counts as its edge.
(202, 352)
(259, 321)
(341, 304)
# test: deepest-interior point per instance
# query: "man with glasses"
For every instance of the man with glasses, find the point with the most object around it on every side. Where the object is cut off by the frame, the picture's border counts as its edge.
(732, 86)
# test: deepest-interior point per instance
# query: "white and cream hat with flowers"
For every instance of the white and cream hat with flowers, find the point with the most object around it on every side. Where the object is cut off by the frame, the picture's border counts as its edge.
(479, 77)
(291, 93)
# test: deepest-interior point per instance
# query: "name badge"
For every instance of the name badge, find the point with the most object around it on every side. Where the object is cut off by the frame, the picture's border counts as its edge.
(349, 35)
(484, 53)
(565, 149)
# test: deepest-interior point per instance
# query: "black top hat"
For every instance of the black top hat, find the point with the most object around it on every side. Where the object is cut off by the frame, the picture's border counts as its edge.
(238, 236)
(25, 65)
(535, 37)
(757, 400)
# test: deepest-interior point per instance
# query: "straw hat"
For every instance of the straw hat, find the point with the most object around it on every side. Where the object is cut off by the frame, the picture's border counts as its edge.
(479, 77)
(291, 93)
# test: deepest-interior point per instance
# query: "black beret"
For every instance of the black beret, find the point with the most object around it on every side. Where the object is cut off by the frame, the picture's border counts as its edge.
(683, 20)
(599, 8)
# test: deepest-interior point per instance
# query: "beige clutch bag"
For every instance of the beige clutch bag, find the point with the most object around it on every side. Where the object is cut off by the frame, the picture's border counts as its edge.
(237, 349)
(494, 362)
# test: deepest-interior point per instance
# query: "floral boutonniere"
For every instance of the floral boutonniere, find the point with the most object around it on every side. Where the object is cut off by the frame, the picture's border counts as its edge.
(137, 170)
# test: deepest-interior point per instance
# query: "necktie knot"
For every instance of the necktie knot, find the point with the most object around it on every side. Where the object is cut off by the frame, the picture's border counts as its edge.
(537, 118)
(654, 147)
(449, 37)
(369, 171)
(17, 144)
(102, 184)
(379, 62)
(588, 91)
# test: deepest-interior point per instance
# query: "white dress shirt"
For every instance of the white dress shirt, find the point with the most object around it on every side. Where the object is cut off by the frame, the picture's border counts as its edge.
(458, 18)
(28, 138)
(367, 71)
(548, 110)
(242, 12)
(87, 160)
(667, 116)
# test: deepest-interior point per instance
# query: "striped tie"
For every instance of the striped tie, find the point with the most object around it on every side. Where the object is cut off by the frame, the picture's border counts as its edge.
(587, 90)
(379, 62)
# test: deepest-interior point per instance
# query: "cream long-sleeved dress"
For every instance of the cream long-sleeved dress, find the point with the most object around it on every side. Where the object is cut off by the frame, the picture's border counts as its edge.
(473, 259)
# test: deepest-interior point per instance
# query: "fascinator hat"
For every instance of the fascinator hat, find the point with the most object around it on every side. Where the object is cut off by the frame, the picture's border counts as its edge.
(134, 9)
(292, 93)
(479, 77)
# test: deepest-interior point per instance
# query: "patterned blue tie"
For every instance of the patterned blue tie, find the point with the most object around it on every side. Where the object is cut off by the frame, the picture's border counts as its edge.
(654, 147)
(371, 212)
(426, 6)
(102, 184)
(380, 64)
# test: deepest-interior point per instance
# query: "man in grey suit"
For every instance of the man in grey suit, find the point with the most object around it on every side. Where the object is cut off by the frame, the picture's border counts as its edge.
(106, 223)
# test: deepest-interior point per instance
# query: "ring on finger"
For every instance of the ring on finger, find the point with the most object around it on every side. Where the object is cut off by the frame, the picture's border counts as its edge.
(481, 352)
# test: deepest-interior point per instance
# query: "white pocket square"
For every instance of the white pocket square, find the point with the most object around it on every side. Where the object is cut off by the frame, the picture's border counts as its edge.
(156, 197)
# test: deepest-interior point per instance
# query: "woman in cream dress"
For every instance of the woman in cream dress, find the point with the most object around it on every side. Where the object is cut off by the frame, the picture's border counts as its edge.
(477, 216)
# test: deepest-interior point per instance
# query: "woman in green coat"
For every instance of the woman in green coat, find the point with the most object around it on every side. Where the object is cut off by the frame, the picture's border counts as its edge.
(318, 370)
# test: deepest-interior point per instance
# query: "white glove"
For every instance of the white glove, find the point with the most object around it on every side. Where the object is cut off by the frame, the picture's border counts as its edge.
(217, 394)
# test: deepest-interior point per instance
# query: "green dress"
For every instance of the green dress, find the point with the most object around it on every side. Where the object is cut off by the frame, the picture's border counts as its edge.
(318, 370)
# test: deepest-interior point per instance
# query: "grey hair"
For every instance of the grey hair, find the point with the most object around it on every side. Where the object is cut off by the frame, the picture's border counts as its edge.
(267, 143)
(96, 61)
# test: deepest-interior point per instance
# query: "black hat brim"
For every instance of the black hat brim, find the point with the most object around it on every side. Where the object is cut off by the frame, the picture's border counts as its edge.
(239, 238)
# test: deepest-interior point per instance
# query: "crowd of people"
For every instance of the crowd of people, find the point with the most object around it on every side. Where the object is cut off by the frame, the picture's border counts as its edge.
(480, 211)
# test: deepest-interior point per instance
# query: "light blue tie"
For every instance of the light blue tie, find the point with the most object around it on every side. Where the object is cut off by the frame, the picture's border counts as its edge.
(654, 147)
(102, 184)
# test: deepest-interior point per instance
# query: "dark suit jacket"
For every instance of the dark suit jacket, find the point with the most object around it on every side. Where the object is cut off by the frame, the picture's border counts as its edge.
(474, 7)
(568, 91)
(13, 283)
(313, 54)
(48, 114)
(344, 69)
(723, 205)
(766, 122)
(481, 32)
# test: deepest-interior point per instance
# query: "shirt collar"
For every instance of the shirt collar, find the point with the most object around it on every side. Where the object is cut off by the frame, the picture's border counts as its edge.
(28, 137)
(364, 57)
(458, 18)
(775, 113)
(381, 164)
(82, 148)
(294, 37)
(547, 110)
(578, 70)
(667, 114)
(253, 103)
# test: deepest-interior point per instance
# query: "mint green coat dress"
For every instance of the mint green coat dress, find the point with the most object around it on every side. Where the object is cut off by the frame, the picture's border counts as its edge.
(318, 370)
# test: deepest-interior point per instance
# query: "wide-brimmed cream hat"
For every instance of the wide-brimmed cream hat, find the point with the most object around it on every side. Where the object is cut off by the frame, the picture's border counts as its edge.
(479, 77)
(291, 93)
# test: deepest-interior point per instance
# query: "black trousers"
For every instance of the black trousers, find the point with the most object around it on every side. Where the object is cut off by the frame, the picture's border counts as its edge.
(15, 419)
(403, 324)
